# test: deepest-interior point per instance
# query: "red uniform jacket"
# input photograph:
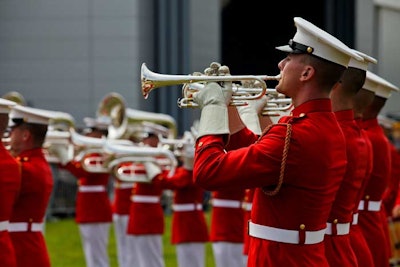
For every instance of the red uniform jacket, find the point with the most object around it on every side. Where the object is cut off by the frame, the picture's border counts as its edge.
(391, 193)
(315, 165)
(357, 239)
(10, 183)
(146, 215)
(188, 220)
(227, 215)
(389, 197)
(247, 204)
(122, 197)
(31, 205)
(371, 221)
(93, 204)
(338, 247)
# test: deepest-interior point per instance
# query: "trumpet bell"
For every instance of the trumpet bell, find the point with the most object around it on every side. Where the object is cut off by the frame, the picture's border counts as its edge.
(16, 97)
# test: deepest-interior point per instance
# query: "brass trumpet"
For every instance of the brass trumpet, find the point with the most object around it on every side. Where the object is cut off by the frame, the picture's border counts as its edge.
(151, 80)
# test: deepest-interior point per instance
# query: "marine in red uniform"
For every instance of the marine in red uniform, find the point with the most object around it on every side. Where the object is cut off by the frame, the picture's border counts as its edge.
(389, 199)
(28, 131)
(370, 219)
(189, 230)
(93, 212)
(120, 208)
(338, 249)
(296, 166)
(395, 212)
(363, 98)
(146, 218)
(10, 182)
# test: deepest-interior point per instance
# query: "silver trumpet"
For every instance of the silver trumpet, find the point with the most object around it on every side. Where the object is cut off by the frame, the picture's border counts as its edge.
(151, 80)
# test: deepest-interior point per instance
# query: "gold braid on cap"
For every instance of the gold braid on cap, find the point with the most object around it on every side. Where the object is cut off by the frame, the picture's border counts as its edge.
(284, 157)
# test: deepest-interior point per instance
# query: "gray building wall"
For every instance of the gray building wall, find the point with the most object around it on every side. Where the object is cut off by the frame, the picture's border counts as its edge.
(377, 34)
(67, 55)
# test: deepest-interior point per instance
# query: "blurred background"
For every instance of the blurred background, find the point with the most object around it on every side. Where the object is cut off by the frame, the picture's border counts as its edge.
(67, 55)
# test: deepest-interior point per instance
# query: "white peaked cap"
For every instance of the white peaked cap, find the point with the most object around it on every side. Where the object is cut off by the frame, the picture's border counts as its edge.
(361, 64)
(309, 39)
(6, 105)
(30, 115)
(380, 86)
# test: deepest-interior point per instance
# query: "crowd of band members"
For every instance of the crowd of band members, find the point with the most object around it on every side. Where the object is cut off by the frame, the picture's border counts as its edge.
(358, 206)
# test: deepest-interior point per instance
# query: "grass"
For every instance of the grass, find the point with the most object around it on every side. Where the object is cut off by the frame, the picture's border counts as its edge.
(65, 249)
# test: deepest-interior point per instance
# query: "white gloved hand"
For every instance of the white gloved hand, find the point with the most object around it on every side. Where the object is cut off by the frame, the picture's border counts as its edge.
(250, 114)
(213, 101)
(188, 157)
(152, 170)
(61, 152)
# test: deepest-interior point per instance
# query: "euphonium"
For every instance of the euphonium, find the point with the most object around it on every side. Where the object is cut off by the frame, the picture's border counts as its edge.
(124, 120)
(151, 80)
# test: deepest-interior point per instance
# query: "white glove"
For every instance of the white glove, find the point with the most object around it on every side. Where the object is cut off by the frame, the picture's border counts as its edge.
(250, 114)
(188, 157)
(214, 101)
(62, 152)
(152, 170)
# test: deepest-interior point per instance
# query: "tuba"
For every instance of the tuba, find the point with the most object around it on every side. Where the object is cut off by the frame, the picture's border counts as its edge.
(125, 121)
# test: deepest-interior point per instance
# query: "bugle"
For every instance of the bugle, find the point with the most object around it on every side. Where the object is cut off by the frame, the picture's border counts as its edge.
(126, 155)
(90, 151)
(151, 80)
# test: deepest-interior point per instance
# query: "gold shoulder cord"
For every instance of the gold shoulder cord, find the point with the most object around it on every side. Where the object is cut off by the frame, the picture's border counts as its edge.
(284, 156)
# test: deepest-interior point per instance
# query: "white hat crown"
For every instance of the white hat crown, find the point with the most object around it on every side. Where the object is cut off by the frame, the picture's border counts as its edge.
(380, 86)
(310, 39)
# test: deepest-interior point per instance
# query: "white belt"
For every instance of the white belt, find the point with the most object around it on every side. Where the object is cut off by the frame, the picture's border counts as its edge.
(145, 199)
(123, 185)
(25, 227)
(4, 225)
(355, 219)
(91, 188)
(187, 207)
(247, 206)
(285, 236)
(341, 228)
(226, 203)
(372, 205)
